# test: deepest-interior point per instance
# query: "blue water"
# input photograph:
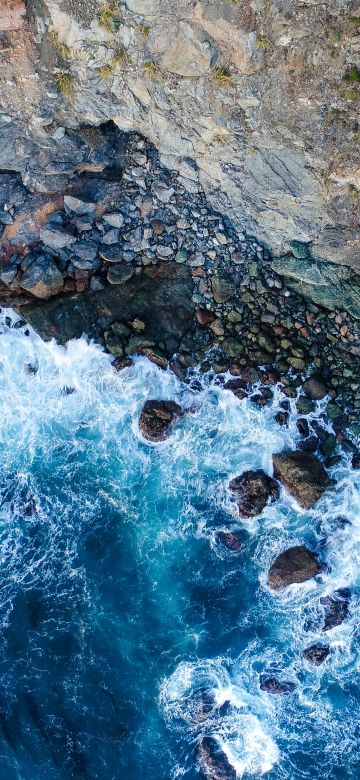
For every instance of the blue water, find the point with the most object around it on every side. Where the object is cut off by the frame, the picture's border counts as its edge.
(118, 607)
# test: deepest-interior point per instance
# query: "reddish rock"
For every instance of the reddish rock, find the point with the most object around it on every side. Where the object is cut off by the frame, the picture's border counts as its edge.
(295, 565)
(156, 418)
(205, 316)
(252, 491)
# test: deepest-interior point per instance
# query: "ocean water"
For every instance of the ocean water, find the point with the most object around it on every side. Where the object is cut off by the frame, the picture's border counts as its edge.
(118, 606)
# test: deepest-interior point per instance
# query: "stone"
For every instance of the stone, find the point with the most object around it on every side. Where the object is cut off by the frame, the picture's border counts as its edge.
(355, 460)
(309, 444)
(314, 389)
(253, 490)
(78, 206)
(189, 54)
(56, 238)
(274, 686)
(336, 608)
(156, 418)
(282, 418)
(43, 278)
(205, 316)
(213, 762)
(118, 274)
(303, 475)
(86, 250)
(230, 539)
(111, 254)
(295, 565)
(265, 342)
(110, 237)
(114, 219)
(237, 386)
(316, 654)
(222, 289)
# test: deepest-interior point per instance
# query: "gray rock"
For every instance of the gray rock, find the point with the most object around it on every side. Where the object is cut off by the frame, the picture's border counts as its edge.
(111, 254)
(78, 206)
(86, 250)
(118, 274)
(111, 237)
(115, 220)
(43, 278)
(56, 238)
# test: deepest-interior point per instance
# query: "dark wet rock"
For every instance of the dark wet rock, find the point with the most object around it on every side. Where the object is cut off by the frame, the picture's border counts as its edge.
(303, 475)
(271, 376)
(213, 762)
(336, 608)
(303, 426)
(253, 490)
(275, 686)
(316, 654)
(56, 238)
(205, 316)
(304, 405)
(43, 278)
(328, 446)
(282, 418)
(310, 444)
(121, 362)
(295, 565)
(156, 418)
(314, 389)
(203, 704)
(355, 460)
(232, 540)
(250, 374)
(259, 399)
(66, 390)
(237, 386)
(118, 274)
(30, 369)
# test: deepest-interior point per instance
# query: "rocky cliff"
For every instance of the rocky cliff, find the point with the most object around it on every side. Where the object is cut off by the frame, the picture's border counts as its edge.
(255, 102)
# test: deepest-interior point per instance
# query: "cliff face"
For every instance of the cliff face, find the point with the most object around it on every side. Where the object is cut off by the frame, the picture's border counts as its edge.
(255, 101)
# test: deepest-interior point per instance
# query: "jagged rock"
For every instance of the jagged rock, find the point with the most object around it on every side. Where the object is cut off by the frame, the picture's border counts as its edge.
(275, 686)
(252, 490)
(56, 238)
(237, 386)
(213, 762)
(314, 389)
(43, 278)
(316, 654)
(78, 206)
(156, 418)
(303, 475)
(230, 539)
(115, 220)
(295, 565)
(336, 608)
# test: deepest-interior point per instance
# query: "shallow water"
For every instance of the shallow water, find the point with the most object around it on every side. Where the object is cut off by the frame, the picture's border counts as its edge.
(119, 608)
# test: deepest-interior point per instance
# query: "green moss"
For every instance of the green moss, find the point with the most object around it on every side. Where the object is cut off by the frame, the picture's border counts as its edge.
(65, 84)
(349, 94)
(151, 68)
(263, 42)
(353, 75)
(109, 17)
(222, 77)
(61, 47)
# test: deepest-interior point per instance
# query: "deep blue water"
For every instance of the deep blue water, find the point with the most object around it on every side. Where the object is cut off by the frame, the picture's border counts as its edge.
(118, 606)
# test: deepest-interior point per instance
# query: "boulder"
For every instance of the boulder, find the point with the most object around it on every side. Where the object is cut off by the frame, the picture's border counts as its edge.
(205, 316)
(237, 386)
(229, 539)
(43, 278)
(213, 762)
(78, 206)
(56, 238)
(336, 608)
(275, 686)
(295, 565)
(119, 274)
(252, 490)
(303, 475)
(316, 654)
(314, 389)
(156, 418)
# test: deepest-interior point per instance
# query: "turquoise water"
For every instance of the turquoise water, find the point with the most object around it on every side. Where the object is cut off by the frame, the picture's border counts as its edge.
(118, 606)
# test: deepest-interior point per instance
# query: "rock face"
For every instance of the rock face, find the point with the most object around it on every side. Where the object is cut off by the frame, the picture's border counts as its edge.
(252, 491)
(213, 762)
(303, 475)
(316, 654)
(156, 418)
(295, 565)
(202, 81)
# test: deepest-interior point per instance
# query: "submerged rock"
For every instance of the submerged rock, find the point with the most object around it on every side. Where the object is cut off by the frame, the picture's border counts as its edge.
(230, 539)
(252, 490)
(275, 686)
(303, 475)
(295, 565)
(316, 654)
(336, 608)
(213, 762)
(156, 418)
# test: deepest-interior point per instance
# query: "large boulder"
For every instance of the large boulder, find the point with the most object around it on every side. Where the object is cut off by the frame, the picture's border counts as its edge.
(252, 491)
(303, 474)
(43, 278)
(156, 418)
(295, 565)
(316, 654)
(314, 389)
(213, 762)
